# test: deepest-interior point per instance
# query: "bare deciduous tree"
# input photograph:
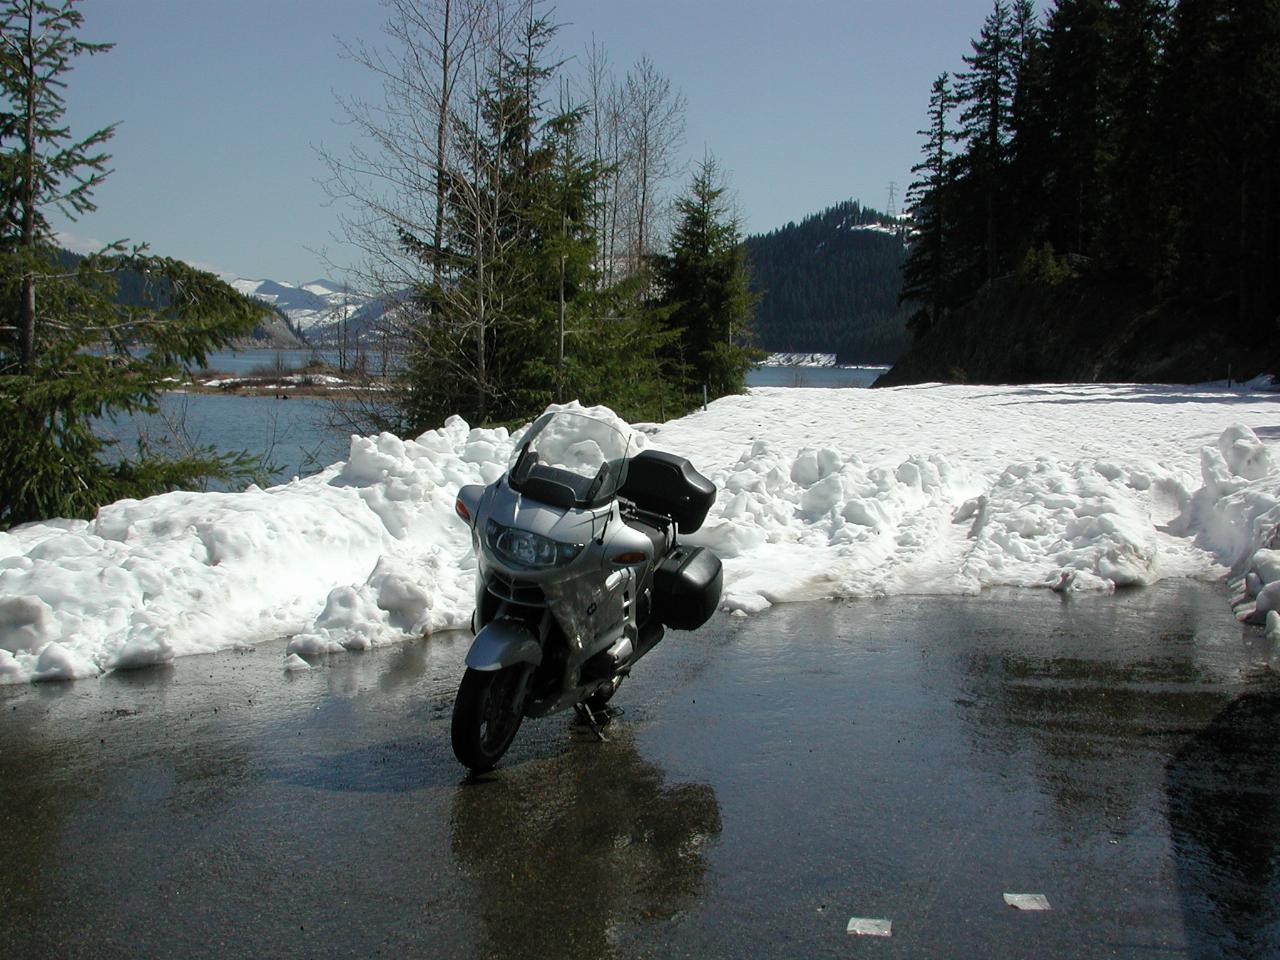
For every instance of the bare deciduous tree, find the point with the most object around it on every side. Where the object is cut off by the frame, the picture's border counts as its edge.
(653, 131)
(392, 180)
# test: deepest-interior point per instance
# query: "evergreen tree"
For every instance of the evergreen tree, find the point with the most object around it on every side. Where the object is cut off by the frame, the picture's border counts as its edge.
(1221, 92)
(469, 331)
(1129, 195)
(1030, 147)
(704, 294)
(927, 270)
(1075, 79)
(1141, 158)
(566, 219)
(1254, 48)
(520, 317)
(68, 351)
(985, 91)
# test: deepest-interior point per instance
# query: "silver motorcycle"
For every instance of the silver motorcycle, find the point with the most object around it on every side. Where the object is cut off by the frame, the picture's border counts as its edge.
(580, 573)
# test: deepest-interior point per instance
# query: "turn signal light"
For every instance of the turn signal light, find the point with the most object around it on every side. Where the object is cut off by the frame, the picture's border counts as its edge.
(628, 558)
(461, 509)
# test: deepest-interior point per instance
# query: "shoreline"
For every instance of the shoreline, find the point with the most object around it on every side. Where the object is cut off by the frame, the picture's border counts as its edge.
(282, 386)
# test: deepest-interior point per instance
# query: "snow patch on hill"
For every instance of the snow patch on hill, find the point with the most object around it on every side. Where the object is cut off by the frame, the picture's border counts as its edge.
(308, 305)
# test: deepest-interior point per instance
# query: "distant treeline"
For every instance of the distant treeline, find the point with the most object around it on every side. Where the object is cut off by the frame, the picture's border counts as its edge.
(1125, 145)
(830, 284)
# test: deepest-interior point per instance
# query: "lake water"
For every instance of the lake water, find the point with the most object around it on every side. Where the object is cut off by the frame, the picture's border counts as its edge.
(242, 362)
(294, 434)
(298, 435)
(813, 376)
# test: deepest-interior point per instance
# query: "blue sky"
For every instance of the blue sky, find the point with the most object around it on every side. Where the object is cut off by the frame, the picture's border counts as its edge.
(221, 104)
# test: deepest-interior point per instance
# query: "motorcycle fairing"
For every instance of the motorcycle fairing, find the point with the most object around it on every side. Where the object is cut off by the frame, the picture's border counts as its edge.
(504, 643)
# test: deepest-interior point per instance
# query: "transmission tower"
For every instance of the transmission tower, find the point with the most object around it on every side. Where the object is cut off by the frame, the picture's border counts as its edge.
(891, 210)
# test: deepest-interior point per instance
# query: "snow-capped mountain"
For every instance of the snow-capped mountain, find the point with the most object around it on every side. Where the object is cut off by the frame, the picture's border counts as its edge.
(315, 304)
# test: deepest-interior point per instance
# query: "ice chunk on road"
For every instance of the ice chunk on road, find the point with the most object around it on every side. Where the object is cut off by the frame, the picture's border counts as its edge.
(1027, 901)
(870, 927)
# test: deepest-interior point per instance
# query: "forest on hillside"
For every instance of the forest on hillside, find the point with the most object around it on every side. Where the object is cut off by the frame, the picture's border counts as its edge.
(1120, 154)
(830, 284)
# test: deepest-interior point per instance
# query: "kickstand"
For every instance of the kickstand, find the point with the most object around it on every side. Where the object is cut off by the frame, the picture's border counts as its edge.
(586, 715)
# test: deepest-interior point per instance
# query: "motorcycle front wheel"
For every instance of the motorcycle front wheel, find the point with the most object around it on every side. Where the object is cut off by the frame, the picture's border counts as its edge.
(486, 716)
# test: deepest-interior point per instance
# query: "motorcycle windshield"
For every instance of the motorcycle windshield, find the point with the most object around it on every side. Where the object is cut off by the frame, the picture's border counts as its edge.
(570, 460)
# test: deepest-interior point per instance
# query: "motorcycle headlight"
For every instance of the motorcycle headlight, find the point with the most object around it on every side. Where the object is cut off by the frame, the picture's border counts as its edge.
(527, 549)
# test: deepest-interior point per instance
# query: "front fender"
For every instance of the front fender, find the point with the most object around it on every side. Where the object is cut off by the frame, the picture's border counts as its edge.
(504, 643)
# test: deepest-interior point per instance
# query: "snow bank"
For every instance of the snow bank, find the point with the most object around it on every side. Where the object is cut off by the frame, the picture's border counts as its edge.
(192, 572)
(822, 493)
(928, 525)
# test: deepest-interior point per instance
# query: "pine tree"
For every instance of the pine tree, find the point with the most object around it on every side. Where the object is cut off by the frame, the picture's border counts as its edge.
(1220, 91)
(1141, 159)
(925, 275)
(1030, 147)
(1128, 194)
(467, 331)
(986, 92)
(1255, 50)
(705, 294)
(1075, 77)
(69, 354)
(520, 317)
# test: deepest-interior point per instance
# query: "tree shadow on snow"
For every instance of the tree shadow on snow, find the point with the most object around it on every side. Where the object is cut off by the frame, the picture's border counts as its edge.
(1134, 394)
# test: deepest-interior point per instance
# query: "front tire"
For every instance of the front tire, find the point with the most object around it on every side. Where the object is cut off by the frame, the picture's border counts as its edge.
(486, 716)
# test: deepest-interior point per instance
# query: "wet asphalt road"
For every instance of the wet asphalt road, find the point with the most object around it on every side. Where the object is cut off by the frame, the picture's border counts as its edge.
(910, 759)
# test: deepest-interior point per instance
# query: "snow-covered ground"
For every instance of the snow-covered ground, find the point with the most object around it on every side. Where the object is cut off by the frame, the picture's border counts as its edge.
(822, 493)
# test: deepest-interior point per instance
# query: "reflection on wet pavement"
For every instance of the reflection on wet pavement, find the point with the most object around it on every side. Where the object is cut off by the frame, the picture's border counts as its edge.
(571, 851)
(1224, 812)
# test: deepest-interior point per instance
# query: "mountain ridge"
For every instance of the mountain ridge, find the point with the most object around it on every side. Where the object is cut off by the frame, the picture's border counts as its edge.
(308, 306)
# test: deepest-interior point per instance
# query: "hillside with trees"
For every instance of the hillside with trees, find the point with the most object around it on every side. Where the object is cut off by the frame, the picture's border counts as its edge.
(132, 288)
(830, 284)
(1097, 197)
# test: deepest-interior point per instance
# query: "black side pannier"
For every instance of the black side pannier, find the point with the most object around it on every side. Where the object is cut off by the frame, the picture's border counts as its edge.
(664, 483)
(686, 587)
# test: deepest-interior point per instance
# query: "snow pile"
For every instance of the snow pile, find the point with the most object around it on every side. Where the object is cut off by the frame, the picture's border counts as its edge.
(189, 572)
(822, 493)
(1237, 513)
(1063, 487)
(927, 525)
